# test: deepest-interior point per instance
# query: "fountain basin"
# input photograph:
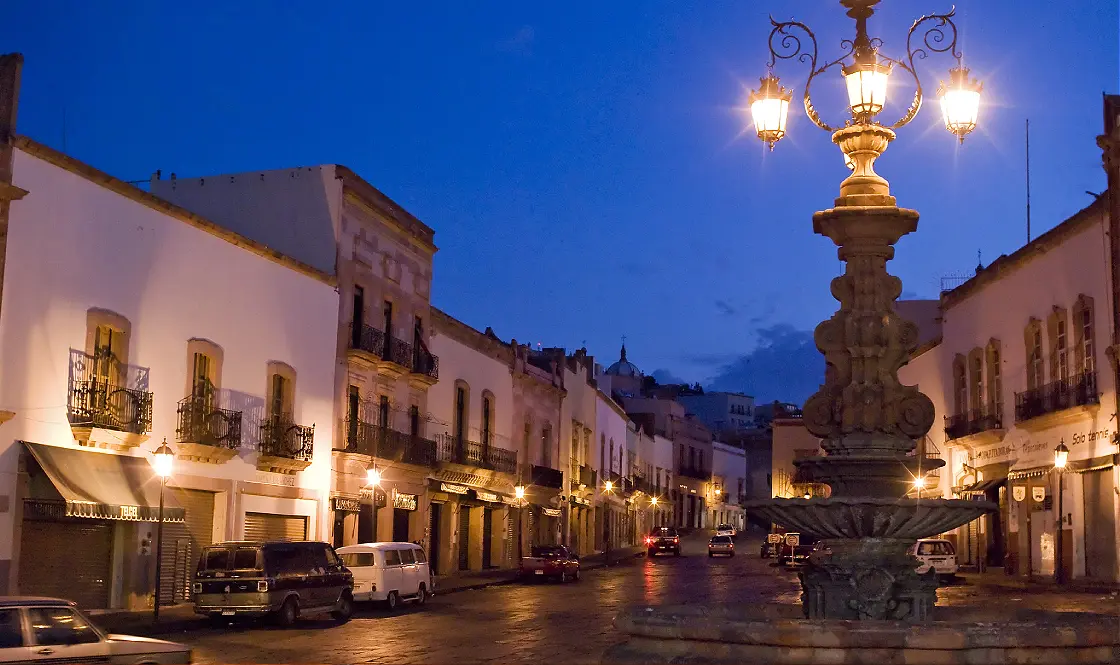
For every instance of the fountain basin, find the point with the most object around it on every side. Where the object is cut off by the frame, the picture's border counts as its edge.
(864, 517)
(770, 635)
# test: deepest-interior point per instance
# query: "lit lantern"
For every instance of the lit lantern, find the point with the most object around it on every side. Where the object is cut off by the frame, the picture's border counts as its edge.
(608, 486)
(163, 460)
(960, 102)
(1061, 455)
(769, 107)
(373, 475)
(653, 501)
(866, 79)
(519, 492)
(919, 482)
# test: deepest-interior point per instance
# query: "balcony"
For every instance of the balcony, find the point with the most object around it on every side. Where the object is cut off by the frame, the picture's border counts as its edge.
(978, 425)
(392, 357)
(694, 472)
(640, 484)
(387, 444)
(587, 476)
(205, 432)
(107, 404)
(471, 453)
(544, 476)
(1057, 402)
(425, 366)
(285, 447)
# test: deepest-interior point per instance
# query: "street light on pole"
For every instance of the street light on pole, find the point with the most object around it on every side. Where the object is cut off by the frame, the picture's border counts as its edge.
(608, 487)
(162, 461)
(519, 494)
(1061, 456)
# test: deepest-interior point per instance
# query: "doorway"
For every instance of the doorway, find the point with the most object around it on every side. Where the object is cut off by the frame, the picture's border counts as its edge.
(487, 536)
(434, 513)
(400, 525)
(464, 537)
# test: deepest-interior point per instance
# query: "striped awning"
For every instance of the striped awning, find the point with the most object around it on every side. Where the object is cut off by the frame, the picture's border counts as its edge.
(1032, 472)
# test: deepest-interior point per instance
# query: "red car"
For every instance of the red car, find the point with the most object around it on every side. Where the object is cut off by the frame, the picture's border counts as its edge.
(554, 562)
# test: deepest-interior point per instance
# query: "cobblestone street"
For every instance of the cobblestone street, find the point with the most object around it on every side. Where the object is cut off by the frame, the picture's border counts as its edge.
(562, 623)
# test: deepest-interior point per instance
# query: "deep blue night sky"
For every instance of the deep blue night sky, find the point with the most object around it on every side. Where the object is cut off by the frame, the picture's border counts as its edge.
(583, 163)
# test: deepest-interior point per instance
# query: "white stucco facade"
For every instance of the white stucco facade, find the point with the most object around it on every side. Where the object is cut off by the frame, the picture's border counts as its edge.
(729, 466)
(1019, 370)
(89, 258)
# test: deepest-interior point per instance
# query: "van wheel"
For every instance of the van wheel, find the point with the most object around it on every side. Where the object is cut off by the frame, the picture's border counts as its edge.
(345, 609)
(392, 600)
(421, 595)
(575, 575)
(288, 613)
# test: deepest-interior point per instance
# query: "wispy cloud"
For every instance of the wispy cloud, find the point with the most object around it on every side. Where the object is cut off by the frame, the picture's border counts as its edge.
(725, 308)
(785, 365)
(520, 42)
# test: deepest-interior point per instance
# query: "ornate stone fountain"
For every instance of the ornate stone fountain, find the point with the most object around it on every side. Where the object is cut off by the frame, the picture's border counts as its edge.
(862, 599)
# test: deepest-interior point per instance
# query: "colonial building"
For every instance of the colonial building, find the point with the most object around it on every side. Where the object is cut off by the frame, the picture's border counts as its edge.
(728, 489)
(473, 490)
(721, 411)
(329, 218)
(792, 442)
(124, 326)
(1019, 371)
(581, 479)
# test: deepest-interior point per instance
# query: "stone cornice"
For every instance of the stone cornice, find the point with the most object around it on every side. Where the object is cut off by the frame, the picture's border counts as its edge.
(117, 186)
(1004, 266)
(387, 209)
(445, 324)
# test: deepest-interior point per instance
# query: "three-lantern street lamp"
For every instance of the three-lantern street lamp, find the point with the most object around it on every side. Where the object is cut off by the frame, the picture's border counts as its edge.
(163, 460)
(866, 72)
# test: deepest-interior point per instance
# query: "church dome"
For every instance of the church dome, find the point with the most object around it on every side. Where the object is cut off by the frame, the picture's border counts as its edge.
(623, 367)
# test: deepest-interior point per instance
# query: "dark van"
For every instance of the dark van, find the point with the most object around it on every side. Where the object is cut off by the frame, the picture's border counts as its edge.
(284, 580)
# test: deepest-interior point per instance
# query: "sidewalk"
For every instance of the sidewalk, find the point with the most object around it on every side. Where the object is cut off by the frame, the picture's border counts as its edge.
(998, 579)
(181, 618)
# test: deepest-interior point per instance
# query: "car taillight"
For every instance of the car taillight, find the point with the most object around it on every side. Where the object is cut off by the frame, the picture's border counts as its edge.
(262, 585)
(197, 587)
(676, 540)
(649, 541)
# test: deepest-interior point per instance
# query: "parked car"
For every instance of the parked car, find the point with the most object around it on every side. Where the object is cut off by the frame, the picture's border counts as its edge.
(721, 545)
(389, 572)
(283, 579)
(53, 630)
(726, 530)
(937, 555)
(796, 548)
(663, 539)
(549, 562)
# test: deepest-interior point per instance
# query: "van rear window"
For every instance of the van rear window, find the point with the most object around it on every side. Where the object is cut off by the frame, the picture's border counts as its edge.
(214, 559)
(357, 559)
(245, 558)
(223, 558)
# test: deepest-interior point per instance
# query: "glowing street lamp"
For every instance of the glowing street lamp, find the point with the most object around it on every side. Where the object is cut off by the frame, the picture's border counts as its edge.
(1061, 456)
(769, 106)
(373, 475)
(608, 487)
(519, 495)
(960, 102)
(163, 461)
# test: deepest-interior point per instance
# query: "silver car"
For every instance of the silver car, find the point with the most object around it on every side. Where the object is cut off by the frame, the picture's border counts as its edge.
(53, 630)
(721, 545)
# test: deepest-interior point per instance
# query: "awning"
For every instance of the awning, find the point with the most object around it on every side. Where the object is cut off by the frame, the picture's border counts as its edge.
(983, 486)
(1033, 472)
(105, 486)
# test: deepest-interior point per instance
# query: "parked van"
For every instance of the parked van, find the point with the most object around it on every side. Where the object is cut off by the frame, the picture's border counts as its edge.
(937, 555)
(281, 579)
(389, 572)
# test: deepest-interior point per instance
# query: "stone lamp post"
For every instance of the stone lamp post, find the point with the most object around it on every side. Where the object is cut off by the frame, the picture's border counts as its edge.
(867, 420)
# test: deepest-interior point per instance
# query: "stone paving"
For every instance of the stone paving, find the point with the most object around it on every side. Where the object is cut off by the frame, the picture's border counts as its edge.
(554, 623)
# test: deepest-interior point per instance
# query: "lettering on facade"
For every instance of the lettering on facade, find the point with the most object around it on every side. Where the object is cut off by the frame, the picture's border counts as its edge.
(452, 488)
(404, 501)
(346, 504)
(269, 478)
(487, 496)
(992, 453)
(551, 512)
(1090, 437)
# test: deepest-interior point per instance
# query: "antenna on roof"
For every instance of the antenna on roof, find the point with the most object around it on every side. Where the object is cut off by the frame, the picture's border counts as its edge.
(1028, 181)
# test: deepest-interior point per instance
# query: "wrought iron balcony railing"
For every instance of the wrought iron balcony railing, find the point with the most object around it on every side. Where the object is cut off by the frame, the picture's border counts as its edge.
(587, 476)
(108, 406)
(971, 422)
(387, 444)
(200, 421)
(378, 343)
(1078, 390)
(425, 363)
(473, 453)
(282, 437)
(544, 476)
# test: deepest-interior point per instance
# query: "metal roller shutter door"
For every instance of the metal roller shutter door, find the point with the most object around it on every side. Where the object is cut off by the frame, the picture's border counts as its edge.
(182, 543)
(71, 560)
(263, 526)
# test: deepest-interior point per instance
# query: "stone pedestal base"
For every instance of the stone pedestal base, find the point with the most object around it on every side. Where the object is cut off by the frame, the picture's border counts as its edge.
(869, 578)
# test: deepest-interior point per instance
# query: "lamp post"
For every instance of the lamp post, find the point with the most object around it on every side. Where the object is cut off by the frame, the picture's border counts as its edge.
(162, 461)
(519, 494)
(1061, 456)
(608, 487)
(655, 515)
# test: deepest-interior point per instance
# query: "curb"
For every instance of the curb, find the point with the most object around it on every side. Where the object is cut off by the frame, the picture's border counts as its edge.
(511, 580)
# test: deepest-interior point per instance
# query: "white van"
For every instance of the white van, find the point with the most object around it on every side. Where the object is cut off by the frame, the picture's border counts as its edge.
(935, 554)
(389, 572)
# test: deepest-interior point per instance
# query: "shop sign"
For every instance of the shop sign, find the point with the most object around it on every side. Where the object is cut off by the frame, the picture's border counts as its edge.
(1038, 494)
(404, 501)
(551, 512)
(509, 500)
(345, 504)
(454, 489)
(580, 501)
(487, 496)
(376, 498)
(1019, 492)
(793, 539)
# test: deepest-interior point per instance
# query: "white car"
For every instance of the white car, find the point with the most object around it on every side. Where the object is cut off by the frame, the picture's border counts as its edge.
(389, 572)
(725, 530)
(53, 630)
(937, 555)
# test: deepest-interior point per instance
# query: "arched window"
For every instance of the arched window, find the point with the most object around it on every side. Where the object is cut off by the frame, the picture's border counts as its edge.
(1032, 341)
(976, 381)
(995, 382)
(487, 429)
(1058, 325)
(1084, 360)
(960, 385)
(461, 414)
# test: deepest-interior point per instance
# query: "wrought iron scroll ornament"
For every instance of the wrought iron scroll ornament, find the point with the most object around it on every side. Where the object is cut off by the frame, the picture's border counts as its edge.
(939, 37)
